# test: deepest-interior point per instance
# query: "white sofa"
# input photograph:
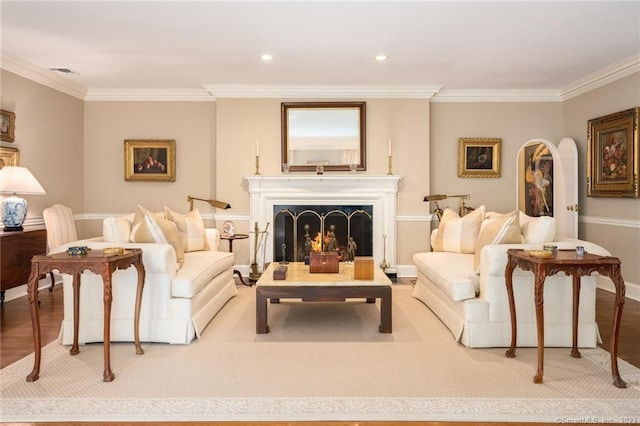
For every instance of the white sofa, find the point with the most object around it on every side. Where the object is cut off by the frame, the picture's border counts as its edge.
(472, 301)
(179, 298)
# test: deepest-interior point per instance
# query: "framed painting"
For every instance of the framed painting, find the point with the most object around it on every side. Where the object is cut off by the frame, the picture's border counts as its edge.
(7, 126)
(536, 179)
(612, 155)
(479, 157)
(9, 157)
(150, 160)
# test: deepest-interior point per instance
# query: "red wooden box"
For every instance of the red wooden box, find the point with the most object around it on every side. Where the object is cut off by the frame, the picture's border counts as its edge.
(324, 262)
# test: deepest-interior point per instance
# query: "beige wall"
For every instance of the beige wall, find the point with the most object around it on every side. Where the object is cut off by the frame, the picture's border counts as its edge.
(241, 121)
(49, 127)
(75, 149)
(621, 235)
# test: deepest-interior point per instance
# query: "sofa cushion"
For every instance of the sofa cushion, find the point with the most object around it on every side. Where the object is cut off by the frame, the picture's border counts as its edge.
(198, 269)
(451, 272)
(497, 230)
(537, 230)
(149, 227)
(190, 228)
(458, 234)
(117, 229)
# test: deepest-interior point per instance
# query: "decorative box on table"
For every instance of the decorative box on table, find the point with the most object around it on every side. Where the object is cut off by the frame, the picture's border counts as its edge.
(323, 262)
(363, 268)
(280, 272)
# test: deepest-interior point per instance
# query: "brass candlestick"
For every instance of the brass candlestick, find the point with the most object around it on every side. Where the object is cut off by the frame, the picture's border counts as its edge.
(389, 166)
(257, 164)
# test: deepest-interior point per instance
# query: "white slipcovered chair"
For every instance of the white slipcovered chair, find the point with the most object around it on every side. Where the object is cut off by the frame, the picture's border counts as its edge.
(61, 229)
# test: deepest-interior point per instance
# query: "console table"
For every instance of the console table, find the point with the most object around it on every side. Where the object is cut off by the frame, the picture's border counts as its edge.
(568, 262)
(99, 263)
(16, 250)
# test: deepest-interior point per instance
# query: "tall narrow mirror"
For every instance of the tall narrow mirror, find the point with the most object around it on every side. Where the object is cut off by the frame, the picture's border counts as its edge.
(331, 134)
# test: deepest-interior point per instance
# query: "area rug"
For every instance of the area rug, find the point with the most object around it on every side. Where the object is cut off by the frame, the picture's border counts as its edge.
(320, 362)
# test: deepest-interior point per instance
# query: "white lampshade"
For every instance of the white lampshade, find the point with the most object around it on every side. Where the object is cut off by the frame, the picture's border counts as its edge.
(17, 180)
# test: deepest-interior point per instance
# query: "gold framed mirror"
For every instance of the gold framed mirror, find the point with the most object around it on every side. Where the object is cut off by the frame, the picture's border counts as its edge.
(331, 134)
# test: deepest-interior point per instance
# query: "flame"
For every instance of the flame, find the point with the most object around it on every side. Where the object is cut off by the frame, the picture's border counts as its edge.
(316, 243)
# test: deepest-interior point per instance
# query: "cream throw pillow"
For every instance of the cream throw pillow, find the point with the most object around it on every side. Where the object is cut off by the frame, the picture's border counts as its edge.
(498, 230)
(537, 230)
(458, 234)
(149, 227)
(190, 228)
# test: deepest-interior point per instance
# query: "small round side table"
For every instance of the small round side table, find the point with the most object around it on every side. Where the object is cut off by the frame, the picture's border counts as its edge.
(230, 238)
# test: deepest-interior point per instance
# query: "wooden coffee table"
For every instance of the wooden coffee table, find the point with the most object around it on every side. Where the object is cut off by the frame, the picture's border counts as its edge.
(301, 284)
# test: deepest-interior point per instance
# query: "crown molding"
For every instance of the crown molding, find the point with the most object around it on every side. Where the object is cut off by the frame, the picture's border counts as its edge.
(606, 75)
(322, 91)
(152, 95)
(488, 95)
(41, 75)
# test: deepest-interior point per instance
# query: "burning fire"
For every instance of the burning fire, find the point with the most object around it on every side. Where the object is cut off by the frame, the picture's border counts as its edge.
(316, 243)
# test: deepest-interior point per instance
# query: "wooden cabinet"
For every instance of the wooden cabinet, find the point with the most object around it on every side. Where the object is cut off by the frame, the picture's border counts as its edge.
(16, 250)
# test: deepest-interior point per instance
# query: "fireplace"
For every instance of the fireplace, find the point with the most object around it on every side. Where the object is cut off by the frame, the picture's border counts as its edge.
(375, 195)
(301, 229)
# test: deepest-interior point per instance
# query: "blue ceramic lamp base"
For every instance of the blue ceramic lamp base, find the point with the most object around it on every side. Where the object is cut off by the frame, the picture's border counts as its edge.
(14, 212)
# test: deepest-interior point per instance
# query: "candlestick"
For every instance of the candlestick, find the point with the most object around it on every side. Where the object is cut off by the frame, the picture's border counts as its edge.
(257, 164)
(389, 166)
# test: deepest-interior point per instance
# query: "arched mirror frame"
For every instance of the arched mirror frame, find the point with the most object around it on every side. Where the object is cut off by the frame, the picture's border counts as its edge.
(288, 106)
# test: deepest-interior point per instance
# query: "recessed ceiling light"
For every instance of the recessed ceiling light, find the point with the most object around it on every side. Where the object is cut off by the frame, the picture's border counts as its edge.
(381, 58)
(266, 57)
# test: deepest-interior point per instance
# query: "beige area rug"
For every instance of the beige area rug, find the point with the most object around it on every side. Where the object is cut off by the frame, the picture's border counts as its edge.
(321, 361)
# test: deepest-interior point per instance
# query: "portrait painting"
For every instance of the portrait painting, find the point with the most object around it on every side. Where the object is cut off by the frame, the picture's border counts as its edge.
(7, 126)
(538, 173)
(150, 160)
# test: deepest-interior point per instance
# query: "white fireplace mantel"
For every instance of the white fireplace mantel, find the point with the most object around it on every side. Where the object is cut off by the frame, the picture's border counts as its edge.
(265, 192)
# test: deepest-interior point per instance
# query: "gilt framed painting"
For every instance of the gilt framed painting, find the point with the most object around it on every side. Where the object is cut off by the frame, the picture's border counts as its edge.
(9, 157)
(7, 126)
(613, 155)
(479, 157)
(150, 160)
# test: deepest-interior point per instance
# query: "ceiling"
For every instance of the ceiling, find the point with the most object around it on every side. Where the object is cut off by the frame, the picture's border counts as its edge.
(453, 45)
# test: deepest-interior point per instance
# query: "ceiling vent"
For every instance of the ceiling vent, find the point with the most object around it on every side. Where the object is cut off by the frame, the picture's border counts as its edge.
(63, 70)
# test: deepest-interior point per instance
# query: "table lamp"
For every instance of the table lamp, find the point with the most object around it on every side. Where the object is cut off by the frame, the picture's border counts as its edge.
(17, 180)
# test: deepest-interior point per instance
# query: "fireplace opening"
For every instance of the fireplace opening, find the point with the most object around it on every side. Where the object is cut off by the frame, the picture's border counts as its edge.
(301, 229)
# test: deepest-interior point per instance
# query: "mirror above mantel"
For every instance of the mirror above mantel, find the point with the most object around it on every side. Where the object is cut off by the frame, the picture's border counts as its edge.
(331, 134)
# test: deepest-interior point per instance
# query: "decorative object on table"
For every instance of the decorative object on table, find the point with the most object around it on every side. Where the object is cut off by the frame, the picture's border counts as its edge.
(228, 229)
(17, 180)
(150, 160)
(213, 203)
(553, 249)
(9, 156)
(280, 272)
(324, 262)
(580, 251)
(254, 274)
(79, 251)
(613, 155)
(113, 250)
(540, 253)
(319, 169)
(363, 268)
(384, 265)
(479, 157)
(7, 126)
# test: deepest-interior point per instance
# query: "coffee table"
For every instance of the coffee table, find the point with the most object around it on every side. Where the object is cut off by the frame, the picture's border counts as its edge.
(301, 284)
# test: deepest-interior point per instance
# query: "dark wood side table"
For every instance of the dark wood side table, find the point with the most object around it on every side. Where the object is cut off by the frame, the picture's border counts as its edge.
(231, 238)
(566, 261)
(16, 250)
(99, 263)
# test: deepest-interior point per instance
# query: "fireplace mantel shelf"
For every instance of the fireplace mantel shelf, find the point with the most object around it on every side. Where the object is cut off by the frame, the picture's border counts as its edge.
(342, 180)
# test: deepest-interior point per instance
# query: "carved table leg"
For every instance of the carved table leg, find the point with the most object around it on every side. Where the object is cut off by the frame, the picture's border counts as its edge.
(108, 297)
(76, 313)
(576, 304)
(617, 279)
(540, 275)
(32, 296)
(511, 352)
(136, 330)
